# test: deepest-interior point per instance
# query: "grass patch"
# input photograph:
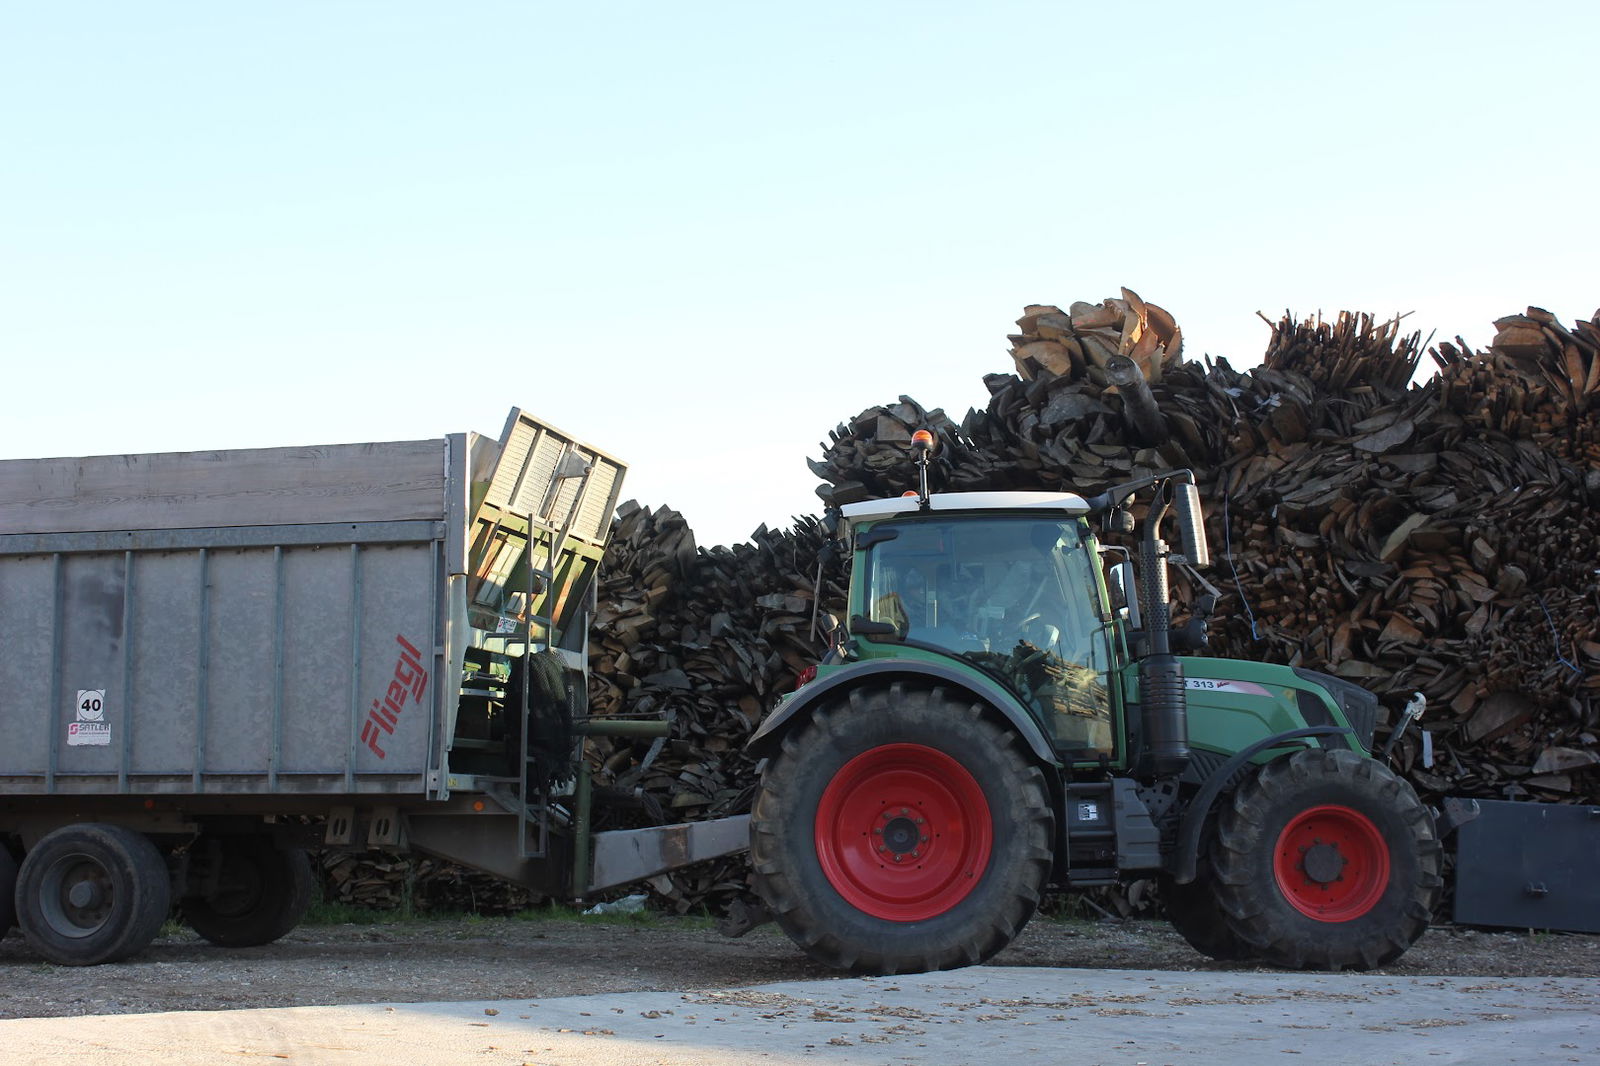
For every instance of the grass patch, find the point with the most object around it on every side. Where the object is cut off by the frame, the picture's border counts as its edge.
(1072, 908)
(562, 912)
(325, 913)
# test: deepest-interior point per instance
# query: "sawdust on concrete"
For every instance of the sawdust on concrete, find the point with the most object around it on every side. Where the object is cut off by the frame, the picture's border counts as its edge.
(491, 958)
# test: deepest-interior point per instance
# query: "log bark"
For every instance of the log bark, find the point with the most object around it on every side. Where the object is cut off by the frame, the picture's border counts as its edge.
(1139, 405)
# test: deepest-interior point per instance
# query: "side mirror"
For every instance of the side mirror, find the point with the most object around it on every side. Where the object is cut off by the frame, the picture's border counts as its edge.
(862, 626)
(1191, 524)
(1125, 593)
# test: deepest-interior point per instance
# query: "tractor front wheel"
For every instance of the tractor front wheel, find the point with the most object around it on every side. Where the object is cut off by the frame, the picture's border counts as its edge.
(1326, 860)
(900, 831)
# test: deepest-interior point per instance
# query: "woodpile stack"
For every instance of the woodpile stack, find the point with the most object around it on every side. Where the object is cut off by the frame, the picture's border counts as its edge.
(386, 881)
(708, 640)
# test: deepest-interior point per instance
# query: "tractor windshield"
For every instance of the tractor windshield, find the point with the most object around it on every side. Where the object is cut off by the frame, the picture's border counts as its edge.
(1013, 595)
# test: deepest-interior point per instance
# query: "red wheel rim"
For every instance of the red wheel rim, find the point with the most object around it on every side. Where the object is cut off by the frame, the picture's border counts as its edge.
(903, 832)
(1331, 863)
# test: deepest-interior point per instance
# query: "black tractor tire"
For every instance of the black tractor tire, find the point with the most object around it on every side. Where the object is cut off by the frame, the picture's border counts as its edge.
(260, 893)
(1326, 860)
(1194, 912)
(92, 893)
(8, 890)
(900, 830)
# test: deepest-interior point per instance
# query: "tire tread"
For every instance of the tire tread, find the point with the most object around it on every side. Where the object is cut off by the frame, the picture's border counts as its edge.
(812, 913)
(1253, 908)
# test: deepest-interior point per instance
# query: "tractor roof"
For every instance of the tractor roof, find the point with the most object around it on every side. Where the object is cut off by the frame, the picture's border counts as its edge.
(1066, 503)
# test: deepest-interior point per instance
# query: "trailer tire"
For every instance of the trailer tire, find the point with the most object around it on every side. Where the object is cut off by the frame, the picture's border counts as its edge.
(8, 890)
(1326, 860)
(900, 830)
(92, 893)
(261, 892)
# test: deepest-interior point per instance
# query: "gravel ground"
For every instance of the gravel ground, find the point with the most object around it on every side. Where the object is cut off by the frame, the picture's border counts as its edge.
(512, 958)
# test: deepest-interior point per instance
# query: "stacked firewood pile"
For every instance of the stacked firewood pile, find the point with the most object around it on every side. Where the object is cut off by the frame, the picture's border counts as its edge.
(1437, 537)
(386, 881)
(708, 640)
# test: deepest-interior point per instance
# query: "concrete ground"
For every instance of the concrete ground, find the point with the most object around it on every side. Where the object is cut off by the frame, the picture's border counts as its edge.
(1013, 1016)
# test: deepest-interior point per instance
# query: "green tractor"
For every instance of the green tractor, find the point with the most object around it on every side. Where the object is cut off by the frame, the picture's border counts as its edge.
(999, 718)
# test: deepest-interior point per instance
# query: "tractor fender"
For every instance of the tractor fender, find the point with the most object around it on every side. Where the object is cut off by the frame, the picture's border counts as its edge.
(797, 707)
(1186, 857)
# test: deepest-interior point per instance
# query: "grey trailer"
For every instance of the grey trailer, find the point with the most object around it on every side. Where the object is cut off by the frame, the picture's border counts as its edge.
(212, 661)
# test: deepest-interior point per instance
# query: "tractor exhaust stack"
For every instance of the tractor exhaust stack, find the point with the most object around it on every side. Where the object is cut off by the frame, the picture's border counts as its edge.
(1162, 692)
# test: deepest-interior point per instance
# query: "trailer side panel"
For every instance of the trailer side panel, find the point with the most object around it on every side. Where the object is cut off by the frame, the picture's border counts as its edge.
(210, 650)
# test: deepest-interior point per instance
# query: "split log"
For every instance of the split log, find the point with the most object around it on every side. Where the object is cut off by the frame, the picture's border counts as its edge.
(1139, 405)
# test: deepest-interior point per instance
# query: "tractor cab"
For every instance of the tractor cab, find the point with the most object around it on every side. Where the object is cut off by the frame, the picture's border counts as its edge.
(1005, 583)
(1008, 585)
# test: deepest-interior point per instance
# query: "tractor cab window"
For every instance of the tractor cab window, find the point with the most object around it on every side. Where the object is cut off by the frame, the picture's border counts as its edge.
(1013, 595)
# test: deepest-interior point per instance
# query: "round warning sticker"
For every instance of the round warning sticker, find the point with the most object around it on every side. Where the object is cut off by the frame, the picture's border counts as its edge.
(91, 704)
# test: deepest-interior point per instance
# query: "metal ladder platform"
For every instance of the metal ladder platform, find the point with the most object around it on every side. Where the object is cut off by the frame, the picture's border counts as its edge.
(539, 530)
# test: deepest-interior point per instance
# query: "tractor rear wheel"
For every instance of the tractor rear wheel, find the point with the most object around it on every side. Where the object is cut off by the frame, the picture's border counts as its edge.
(1326, 860)
(899, 830)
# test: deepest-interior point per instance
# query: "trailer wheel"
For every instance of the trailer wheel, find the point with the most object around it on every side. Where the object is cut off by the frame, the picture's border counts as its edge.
(900, 831)
(8, 890)
(1326, 860)
(260, 893)
(92, 893)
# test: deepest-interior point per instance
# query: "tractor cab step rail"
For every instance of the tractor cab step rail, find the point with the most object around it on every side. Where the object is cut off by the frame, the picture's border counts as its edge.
(539, 530)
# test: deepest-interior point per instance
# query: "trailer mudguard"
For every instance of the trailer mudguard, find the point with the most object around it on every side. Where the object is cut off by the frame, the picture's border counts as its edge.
(766, 739)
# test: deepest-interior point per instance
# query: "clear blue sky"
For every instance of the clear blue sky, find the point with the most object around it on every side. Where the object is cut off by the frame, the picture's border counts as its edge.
(700, 235)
